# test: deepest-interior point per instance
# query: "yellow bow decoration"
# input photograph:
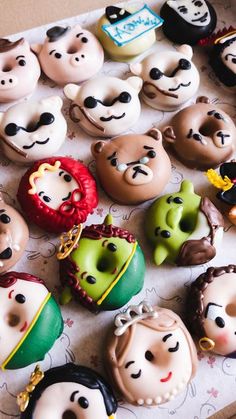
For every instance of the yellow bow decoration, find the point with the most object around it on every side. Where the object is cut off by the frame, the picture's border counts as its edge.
(221, 183)
(24, 396)
(68, 241)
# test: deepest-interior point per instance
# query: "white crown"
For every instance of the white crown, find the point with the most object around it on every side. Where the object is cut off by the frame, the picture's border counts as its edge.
(132, 315)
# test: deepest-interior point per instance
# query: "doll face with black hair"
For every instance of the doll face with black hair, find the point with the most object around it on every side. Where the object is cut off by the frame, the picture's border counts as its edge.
(228, 53)
(70, 401)
(195, 12)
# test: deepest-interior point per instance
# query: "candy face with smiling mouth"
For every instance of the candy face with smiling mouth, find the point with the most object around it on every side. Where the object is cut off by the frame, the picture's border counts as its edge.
(70, 55)
(57, 193)
(32, 131)
(188, 21)
(106, 264)
(20, 70)
(211, 308)
(30, 318)
(151, 356)
(170, 78)
(79, 391)
(14, 235)
(105, 106)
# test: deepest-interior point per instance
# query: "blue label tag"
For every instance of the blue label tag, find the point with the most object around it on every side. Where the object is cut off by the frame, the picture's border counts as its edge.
(133, 26)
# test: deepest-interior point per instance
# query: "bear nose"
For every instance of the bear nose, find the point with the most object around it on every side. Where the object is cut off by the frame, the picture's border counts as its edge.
(7, 81)
(222, 138)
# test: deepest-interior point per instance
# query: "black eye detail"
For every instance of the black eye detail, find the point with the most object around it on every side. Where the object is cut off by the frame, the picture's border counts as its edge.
(166, 234)
(184, 64)
(169, 199)
(46, 118)
(151, 154)
(198, 4)
(175, 349)
(183, 9)
(197, 137)
(124, 97)
(178, 200)
(90, 102)
(83, 402)
(114, 162)
(20, 298)
(136, 375)
(11, 129)
(91, 280)
(46, 198)
(157, 231)
(220, 322)
(4, 218)
(67, 178)
(149, 356)
(155, 73)
(57, 55)
(22, 63)
(112, 247)
(217, 115)
(84, 39)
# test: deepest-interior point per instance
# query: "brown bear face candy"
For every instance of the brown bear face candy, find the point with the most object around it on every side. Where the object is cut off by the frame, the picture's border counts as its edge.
(132, 168)
(212, 310)
(202, 135)
(14, 235)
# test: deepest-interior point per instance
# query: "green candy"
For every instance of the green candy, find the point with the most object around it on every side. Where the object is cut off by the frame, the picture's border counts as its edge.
(170, 221)
(107, 267)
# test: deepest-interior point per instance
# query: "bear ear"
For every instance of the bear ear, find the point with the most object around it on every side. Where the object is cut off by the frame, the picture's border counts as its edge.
(203, 99)
(71, 91)
(187, 187)
(169, 134)
(136, 69)
(155, 133)
(135, 82)
(97, 147)
(36, 48)
(186, 50)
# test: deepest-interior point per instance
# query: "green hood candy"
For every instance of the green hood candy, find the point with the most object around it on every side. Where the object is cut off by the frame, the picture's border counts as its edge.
(183, 227)
(105, 269)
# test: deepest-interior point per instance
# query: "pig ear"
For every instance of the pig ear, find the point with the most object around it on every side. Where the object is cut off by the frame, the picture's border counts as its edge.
(36, 48)
(136, 69)
(53, 101)
(135, 82)
(169, 134)
(1, 117)
(71, 91)
(186, 50)
(97, 147)
(203, 99)
(155, 133)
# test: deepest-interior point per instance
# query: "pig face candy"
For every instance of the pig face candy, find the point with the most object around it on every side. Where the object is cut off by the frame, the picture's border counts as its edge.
(70, 55)
(32, 131)
(105, 106)
(19, 70)
(169, 78)
(132, 168)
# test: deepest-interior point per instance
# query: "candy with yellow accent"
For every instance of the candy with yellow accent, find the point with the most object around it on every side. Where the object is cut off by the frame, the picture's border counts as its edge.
(30, 317)
(68, 391)
(104, 269)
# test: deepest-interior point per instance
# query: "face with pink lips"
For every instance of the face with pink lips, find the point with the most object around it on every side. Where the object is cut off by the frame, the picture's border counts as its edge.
(19, 70)
(19, 304)
(153, 360)
(70, 55)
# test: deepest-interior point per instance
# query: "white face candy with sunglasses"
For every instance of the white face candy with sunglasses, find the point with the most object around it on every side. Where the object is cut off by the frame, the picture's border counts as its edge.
(105, 106)
(33, 131)
(170, 78)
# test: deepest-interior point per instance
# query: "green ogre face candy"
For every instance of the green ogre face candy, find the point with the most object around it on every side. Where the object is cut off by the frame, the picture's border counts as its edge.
(183, 227)
(104, 269)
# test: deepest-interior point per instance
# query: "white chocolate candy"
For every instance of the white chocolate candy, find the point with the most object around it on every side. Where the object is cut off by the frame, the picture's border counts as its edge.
(194, 12)
(170, 78)
(33, 131)
(105, 106)
(70, 55)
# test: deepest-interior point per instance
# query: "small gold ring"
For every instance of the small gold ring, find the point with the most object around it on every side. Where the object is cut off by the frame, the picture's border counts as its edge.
(210, 344)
